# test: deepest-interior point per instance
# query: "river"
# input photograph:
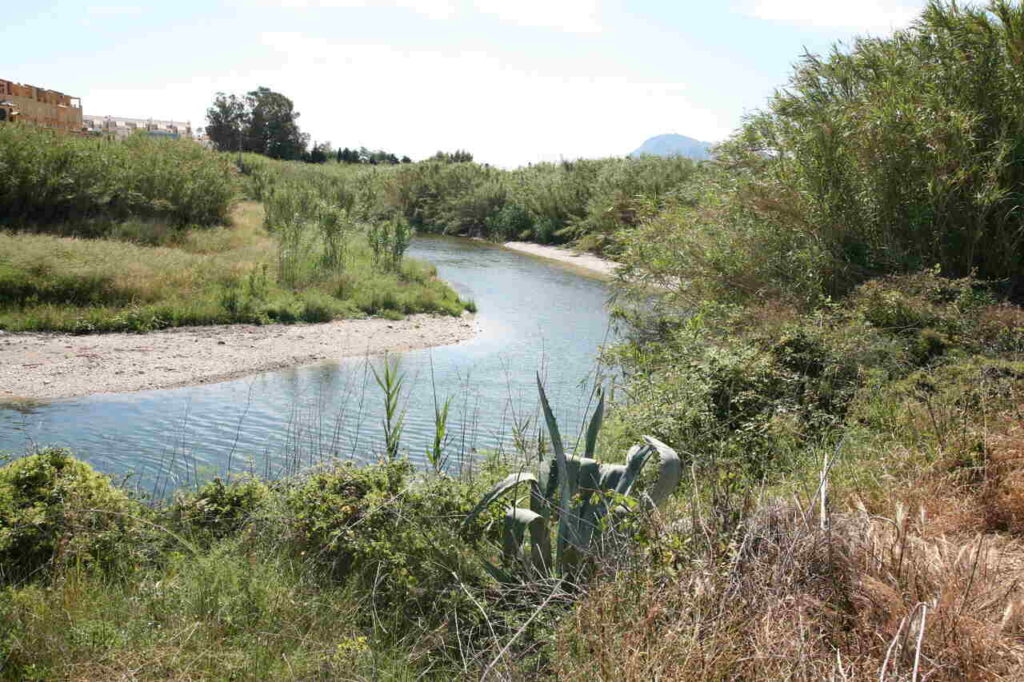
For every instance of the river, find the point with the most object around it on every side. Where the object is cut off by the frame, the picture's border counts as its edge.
(534, 315)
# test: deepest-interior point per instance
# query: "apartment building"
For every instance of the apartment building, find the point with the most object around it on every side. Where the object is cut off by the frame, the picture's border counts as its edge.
(39, 107)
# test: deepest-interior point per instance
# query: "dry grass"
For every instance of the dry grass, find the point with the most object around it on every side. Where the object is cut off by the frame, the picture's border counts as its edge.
(793, 601)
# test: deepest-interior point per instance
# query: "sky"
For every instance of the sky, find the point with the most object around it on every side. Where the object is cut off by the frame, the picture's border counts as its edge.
(512, 81)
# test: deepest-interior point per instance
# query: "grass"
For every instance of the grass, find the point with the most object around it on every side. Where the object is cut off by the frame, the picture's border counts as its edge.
(168, 278)
(850, 425)
(587, 200)
(95, 183)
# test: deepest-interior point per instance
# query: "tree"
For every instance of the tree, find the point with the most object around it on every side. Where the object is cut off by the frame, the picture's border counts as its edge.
(347, 155)
(226, 123)
(263, 122)
(459, 156)
(272, 127)
(321, 152)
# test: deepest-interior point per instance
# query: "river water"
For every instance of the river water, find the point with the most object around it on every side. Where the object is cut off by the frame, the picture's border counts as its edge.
(535, 315)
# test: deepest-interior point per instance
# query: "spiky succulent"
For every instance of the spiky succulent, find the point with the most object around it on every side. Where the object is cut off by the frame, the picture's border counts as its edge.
(577, 492)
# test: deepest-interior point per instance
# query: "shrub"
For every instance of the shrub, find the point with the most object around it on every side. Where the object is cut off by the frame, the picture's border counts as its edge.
(900, 152)
(757, 386)
(220, 508)
(55, 510)
(395, 537)
(51, 178)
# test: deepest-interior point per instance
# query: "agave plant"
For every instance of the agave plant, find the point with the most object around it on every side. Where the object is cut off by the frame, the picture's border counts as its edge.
(573, 497)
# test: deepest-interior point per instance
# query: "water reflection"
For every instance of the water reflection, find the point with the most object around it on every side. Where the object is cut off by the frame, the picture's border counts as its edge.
(534, 315)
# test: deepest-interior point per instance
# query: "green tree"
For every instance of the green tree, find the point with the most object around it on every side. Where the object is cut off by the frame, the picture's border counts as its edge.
(321, 152)
(227, 120)
(263, 122)
(273, 130)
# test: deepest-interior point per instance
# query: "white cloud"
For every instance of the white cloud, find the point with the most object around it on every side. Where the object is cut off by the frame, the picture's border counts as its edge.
(574, 16)
(860, 15)
(507, 111)
(113, 10)
(434, 9)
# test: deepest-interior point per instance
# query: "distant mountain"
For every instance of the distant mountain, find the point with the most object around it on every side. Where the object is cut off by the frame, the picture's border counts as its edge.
(675, 145)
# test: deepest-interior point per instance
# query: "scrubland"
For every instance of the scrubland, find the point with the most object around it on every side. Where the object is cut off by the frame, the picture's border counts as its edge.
(823, 322)
(102, 236)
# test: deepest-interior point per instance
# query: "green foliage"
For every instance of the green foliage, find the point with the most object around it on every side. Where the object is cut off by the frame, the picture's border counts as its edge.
(435, 453)
(588, 200)
(902, 152)
(758, 386)
(389, 239)
(220, 508)
(390, 381)
(57, 511)
(574, 495)
(50, 178)
(391, 535)
(261, 122)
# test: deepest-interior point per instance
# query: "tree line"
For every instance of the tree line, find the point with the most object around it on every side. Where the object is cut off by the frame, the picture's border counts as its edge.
(265, 122)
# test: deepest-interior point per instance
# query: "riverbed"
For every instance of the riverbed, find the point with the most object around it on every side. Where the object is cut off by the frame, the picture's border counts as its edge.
(534, 316)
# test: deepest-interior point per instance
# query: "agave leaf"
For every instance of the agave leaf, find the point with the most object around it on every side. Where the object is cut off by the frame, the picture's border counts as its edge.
(566, 530)
(586, 515)
(549, 417)
(611, 474)
(550, 482)
(517, 522)
(595, 426)
(635, 460)
(498, 490)
(670, 471)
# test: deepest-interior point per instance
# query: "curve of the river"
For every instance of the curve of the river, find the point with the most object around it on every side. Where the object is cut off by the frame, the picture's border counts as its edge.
(535, 315)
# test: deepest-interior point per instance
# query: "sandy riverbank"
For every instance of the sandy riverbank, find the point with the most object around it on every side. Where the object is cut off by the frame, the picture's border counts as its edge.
(580, 259)
(50, 366)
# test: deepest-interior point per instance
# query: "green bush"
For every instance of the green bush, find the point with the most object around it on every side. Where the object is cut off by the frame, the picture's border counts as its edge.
(901, 152)
(220, 508)
(757, 386)
(56, 511)
(390, 534)
(50, 178)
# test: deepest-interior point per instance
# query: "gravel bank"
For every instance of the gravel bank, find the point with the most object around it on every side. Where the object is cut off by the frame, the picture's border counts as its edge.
(51, 366)
(585, 261)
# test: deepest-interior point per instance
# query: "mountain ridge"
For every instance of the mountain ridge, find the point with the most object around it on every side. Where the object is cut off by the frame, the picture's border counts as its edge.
(672, 144)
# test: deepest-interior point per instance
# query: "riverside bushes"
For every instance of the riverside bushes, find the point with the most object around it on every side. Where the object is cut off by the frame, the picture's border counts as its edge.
(55, 511)
(149, 265)
(584, 200)
(895, 155)
(51, 179)
(342, 569)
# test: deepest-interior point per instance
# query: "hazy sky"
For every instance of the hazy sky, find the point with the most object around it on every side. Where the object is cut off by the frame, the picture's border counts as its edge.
(513, 81)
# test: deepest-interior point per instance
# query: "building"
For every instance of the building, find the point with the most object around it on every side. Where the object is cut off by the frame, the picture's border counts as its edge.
(39, 107)
(123, 127)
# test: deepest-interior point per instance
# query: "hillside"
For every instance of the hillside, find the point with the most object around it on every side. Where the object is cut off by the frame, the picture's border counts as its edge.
(675, 145)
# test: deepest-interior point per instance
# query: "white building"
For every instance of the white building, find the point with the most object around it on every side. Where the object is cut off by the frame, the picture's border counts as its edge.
(123, 127)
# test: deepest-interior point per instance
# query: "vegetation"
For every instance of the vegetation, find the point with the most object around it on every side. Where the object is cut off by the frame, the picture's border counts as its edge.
(147, 234)
(261, 122)
(51, 179)
(335, 573)
(579, 492)
(589, 201)
(821, 322)
(224, 275)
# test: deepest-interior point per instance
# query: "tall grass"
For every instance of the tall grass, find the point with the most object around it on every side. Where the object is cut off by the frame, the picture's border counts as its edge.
(224, 275)
(901, 152)
(586, 200)
(50, 178)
